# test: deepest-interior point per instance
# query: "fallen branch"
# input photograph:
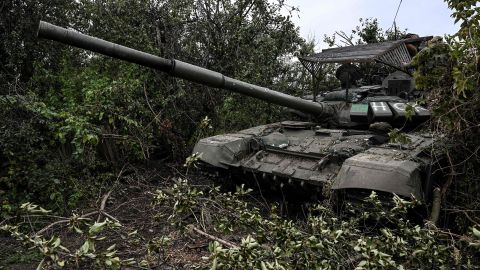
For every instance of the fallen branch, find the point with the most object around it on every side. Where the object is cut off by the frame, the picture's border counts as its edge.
(110, 216)
(61, 222)
(100, 212)
(211, 237)
(102, 205)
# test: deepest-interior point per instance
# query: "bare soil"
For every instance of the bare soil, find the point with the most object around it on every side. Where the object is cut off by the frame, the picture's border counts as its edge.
(131, 203)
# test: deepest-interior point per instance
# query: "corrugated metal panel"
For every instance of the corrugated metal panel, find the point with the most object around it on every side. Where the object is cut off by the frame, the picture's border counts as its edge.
(393, 53)
(359, 53)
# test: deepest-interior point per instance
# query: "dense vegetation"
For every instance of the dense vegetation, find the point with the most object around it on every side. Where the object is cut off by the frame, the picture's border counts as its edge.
(70, 117)
(77, 127)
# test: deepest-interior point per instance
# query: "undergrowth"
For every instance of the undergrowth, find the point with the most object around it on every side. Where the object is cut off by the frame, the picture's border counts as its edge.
(245, 234)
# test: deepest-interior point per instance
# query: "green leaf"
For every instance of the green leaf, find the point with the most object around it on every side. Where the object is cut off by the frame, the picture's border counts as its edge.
(56, 243)
(97, 227)
(78, 230)
(111, 247)
(476, 232)
(84, 248)
(362, 263)
(40, 265)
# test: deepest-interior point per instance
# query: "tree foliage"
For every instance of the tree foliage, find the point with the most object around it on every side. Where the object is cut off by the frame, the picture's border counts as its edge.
(369, 31)
(75, 109)
(449, 74)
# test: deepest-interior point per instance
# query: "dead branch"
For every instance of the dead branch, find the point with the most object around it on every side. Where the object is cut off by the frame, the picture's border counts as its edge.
(347, 40)
(100, 212)
(105, 198)
(155, 115)
(102, 205)
(450, 177)
(211, 237)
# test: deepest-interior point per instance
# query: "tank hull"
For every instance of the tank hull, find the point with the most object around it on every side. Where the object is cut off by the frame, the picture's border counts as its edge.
(303, 154)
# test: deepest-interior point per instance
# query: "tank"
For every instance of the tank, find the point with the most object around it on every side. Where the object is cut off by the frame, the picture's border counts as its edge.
(342, 143)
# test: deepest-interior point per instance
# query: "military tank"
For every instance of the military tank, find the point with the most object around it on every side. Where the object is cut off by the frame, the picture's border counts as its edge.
(344, 145)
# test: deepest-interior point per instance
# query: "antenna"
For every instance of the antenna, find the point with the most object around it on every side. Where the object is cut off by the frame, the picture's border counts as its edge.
(395, 18)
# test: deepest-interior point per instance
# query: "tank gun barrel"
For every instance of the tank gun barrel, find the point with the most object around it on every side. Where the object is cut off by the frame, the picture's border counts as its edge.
(177, 68)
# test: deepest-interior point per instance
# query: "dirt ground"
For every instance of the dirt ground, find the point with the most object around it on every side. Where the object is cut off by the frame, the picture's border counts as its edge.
(131, 203)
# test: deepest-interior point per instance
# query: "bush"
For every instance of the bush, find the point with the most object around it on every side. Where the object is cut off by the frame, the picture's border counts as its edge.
(321, 241)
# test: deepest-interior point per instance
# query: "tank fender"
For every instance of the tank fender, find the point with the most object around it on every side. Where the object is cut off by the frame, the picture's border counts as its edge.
(374, 170)
(223, 150)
